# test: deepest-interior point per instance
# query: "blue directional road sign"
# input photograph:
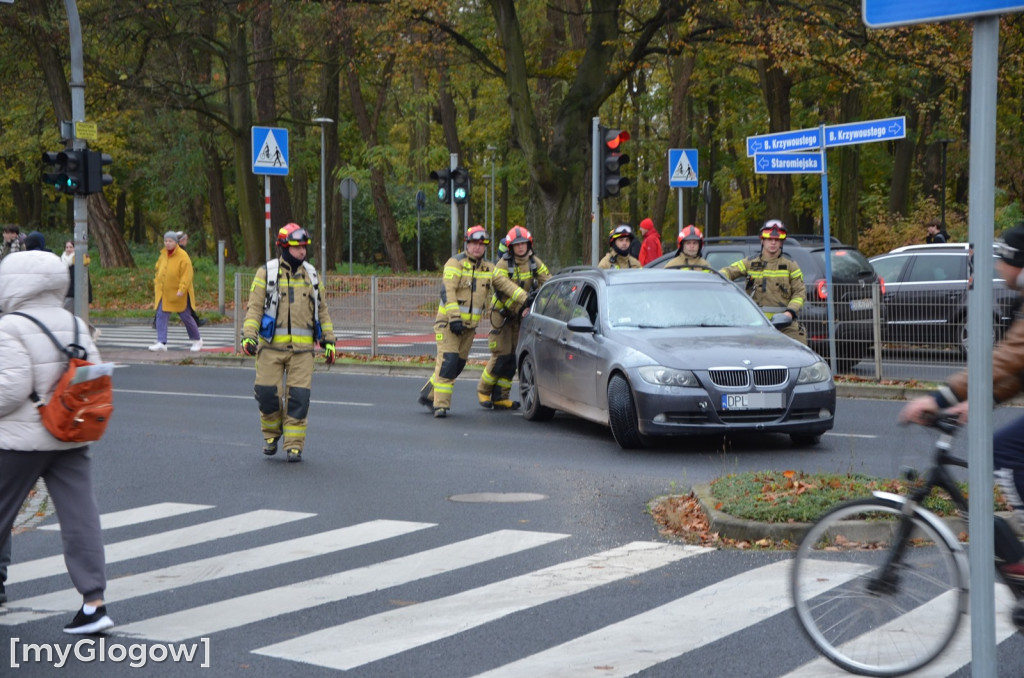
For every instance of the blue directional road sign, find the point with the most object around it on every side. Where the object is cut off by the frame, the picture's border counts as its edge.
(682, 168)
(866, 131)
(780, 142)
(884, 13)
(270, 151)
(788, 163)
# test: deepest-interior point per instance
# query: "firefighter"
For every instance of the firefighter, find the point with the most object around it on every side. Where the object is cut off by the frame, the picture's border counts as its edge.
(518, 276)
(465, 292)
(620, 239)
(286, 318)
(689, 254)
(774, 281)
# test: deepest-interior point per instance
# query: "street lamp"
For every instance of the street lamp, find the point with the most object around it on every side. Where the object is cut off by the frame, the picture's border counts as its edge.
(944, 142)
(494, 178)
(323, 199)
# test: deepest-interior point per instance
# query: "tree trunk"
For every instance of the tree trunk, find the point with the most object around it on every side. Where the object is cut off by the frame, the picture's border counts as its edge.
(776, 85)
(266, 103)
(250, 195)
(848, 198)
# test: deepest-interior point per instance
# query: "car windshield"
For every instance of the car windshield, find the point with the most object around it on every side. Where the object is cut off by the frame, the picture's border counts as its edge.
(680, 304)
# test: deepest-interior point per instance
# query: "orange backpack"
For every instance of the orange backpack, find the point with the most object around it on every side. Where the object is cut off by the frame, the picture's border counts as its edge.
(83, 399)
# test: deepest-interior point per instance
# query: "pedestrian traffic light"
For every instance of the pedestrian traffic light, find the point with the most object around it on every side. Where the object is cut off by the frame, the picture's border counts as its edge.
(460, 185)
(611, 160)
(68, 175)
(95, 179)
(444, 184)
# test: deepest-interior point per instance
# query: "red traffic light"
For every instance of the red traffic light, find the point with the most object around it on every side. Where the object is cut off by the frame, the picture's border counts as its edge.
(614, 137)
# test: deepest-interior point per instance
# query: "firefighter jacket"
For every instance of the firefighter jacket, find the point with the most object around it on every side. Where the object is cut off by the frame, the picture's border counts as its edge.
(777, 282)
(299, 301)
(465, 290)
(514, 279)
(616, 260)
(697, 263)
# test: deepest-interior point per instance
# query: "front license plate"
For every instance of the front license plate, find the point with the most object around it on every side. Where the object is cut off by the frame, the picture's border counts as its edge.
(861, 305)
(753, 401)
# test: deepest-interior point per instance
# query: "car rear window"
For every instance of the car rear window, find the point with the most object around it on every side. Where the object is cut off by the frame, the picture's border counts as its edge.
(847, 264)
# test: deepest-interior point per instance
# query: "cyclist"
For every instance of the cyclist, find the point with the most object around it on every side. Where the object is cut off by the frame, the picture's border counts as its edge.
(1007, 366)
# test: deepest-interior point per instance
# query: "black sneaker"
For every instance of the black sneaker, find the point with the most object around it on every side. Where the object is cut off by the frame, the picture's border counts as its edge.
(270, 447)
(201, 321)
(85, 624)
(294, 455)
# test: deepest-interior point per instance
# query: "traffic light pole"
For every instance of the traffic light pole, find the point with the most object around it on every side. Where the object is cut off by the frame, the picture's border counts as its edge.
(595, 202)
(452, 164)
(81, 206)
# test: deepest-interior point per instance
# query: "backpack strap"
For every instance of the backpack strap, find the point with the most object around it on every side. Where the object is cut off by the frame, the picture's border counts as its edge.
(72, 350)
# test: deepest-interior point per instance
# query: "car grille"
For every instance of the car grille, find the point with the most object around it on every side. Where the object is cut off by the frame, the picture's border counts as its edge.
(750, 416)
(739, 377)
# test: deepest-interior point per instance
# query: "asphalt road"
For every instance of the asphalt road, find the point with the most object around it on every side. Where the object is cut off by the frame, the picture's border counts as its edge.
(392, 572)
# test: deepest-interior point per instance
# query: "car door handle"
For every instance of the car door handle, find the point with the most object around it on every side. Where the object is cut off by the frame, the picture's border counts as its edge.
(563, 341)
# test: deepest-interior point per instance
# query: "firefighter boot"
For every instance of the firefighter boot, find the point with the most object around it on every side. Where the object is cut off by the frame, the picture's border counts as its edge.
(426, 397)
(270, 446)
(485, 400)
(294, 455)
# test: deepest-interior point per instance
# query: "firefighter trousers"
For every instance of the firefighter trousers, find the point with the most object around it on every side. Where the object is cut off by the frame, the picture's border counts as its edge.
(283, 415)
(452, 353)
(496, 381)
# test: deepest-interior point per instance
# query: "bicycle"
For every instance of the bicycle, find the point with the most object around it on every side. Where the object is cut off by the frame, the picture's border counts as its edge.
(887, 604)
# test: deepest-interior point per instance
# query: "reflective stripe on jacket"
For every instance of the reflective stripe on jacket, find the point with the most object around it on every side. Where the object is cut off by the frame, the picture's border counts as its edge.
(295, 325)
(465, 290)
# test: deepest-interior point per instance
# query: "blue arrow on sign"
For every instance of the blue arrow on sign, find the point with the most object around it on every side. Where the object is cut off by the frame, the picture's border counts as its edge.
(788, 163)
(864, 132)
(883, 13)
(780, 142)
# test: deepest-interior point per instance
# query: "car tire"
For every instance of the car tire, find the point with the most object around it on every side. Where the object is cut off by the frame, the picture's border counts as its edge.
(622, 414)
(805, 439)
(529, 394)
(963, 341)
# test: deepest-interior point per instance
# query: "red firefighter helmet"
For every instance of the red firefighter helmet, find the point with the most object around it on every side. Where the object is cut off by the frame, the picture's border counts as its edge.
(477, 234)
(691, 232)
(773, 228)
(292, 235)
(518, 234)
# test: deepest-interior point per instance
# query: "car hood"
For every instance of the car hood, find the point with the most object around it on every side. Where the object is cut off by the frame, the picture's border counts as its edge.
(703, 348)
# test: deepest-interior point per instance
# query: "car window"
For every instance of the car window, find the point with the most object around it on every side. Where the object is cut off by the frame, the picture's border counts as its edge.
(888, 268)
(723, 258)
(555, 299)
(847, 264)
(586, 304)
(938, 268)
(680, 304)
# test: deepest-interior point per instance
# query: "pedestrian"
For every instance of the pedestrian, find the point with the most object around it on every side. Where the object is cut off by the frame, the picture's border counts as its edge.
(465, 292)
(1008, 443)
(774, 281)
(14, 241)
(34, 283)
(650, 249)
(516, 277)
(935, 234)
(68, 259)
(620, 239)
(286, 317)
(5, 560)
(183, 243)
(35, 241)
(172, 282)
(689, 253)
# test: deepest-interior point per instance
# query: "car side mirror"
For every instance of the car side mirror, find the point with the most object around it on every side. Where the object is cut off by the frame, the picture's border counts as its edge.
(580, 325)
(781, 321)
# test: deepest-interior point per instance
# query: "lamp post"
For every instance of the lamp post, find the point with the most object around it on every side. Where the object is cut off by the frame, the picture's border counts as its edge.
(944, 142)
(323, 197)
(493, 180)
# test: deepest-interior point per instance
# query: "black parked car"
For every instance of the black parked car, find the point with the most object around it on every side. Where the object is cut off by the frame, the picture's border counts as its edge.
(664, 353)
(852, 277)
(925, 298)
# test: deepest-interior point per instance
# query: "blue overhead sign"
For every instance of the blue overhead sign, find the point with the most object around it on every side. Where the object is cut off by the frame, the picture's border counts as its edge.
(781, 142)
(885, 13)
(270, 151)
(788, 163)
(864, 132)
(682, 168)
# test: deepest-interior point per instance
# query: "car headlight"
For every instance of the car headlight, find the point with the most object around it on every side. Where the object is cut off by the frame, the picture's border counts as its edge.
(812, 374)
(666, 376)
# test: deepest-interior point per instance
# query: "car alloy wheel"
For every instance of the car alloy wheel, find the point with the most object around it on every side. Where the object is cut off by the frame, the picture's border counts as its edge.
(529, 394)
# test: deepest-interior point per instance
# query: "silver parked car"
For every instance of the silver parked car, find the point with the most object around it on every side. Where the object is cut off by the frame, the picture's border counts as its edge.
(661, 352)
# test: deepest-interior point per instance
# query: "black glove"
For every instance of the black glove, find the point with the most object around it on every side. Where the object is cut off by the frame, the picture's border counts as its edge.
(249, 346)
(456, 327)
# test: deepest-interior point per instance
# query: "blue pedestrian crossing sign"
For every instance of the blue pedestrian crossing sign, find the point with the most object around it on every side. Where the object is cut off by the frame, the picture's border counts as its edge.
(270, 151)
(682, 168)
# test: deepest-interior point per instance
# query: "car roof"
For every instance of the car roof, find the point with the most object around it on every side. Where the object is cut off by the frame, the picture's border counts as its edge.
(614, 276)
(955, 246)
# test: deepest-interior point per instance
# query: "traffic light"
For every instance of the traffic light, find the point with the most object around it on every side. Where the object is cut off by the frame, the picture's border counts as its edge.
(95, 179)
(460, 185)
(69, 171)
(444, 185)
(611, 160)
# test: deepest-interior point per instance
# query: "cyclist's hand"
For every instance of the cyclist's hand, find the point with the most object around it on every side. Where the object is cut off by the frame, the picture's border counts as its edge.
(249, 346)
(919, 411)
(959, 411)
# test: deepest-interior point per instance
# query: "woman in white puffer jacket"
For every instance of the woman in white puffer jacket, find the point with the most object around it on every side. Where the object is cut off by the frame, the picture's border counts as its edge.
(35, 283)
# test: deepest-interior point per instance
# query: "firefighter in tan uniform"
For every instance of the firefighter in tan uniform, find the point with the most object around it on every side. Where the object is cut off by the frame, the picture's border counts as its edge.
(690, 250)
(620, 240)
(464, 295)
(286, 318)
(518, 275)
(774, 281)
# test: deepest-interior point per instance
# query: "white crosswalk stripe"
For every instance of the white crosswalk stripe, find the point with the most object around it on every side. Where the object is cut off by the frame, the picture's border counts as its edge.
(624, 646)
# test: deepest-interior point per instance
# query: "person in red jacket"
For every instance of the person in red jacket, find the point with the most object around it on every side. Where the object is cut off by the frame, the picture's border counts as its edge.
(651, 248)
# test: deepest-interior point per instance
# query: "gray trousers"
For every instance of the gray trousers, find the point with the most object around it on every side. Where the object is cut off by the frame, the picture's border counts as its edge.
(69, 482)
(5, 555)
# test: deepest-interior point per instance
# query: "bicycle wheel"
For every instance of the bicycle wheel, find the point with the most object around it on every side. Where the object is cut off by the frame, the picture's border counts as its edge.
(863, 616)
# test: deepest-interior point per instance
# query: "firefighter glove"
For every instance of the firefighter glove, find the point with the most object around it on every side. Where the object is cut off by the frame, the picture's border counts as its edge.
(249, 346)
(456, 327)
(329, 354)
